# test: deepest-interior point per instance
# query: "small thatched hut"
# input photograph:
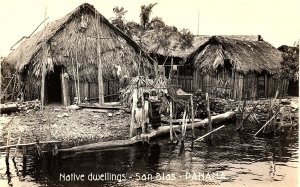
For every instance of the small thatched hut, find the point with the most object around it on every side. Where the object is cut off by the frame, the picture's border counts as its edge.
(170, 54)
(237, 68)
(72, 45)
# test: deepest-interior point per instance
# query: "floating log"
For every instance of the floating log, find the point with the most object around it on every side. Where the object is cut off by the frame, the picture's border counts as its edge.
(29, 144)
(177, 121)
(163, 130)
(8, 108)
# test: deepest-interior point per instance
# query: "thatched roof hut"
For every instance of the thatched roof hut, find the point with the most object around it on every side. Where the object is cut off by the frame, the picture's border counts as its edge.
(237, 68)
(76, 32)
(71, 42)
(243, 55)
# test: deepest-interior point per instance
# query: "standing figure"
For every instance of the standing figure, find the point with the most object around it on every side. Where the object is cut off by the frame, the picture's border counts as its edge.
(138, 119)
(147, 112)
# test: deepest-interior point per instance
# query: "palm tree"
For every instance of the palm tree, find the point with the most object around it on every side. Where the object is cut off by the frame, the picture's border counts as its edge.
(118, 21)
(145, 14)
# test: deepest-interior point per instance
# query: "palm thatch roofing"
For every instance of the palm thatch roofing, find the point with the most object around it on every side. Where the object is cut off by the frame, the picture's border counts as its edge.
(74, 38)
(244, 56)
(151, 42)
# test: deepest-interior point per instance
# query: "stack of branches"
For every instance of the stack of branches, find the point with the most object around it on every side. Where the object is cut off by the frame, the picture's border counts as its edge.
(217, 106)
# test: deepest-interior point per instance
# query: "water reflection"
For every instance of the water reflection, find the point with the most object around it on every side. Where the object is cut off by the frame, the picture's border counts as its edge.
(241, 157)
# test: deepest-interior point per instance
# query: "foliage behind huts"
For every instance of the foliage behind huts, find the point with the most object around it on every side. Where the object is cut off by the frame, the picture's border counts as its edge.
(290, 67)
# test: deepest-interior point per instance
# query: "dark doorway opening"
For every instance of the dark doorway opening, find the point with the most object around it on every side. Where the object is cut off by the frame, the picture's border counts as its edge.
(53, 85)
(293, 89)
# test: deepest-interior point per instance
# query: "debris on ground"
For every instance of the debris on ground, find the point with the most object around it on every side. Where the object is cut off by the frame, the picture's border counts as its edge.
(72, 127)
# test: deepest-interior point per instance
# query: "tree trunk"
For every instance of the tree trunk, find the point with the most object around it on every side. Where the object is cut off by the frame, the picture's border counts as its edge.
(153, 134)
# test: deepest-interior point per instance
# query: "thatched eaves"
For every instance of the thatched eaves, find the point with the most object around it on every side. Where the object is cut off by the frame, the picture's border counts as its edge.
(244, 55)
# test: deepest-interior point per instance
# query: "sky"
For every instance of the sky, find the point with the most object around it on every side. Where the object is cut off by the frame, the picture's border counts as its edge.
(277, 21)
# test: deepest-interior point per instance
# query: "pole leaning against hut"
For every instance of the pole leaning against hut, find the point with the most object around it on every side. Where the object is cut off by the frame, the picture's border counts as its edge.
(100, 75)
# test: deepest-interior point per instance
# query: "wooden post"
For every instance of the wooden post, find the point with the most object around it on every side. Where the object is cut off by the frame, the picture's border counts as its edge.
(184, 123)
(193, 116)
(100, 76)
(14, 86)
(19, 141)
(77, 74)
(8, 143)
(43, 85)
(63, 86)
(171, 69)
(171, 125)
(55, 150)
(272, 103)
(208, 113)
(24, 154)
(74, 75)
(242, 114)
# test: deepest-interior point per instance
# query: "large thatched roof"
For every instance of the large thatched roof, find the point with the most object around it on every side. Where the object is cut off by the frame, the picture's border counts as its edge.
(244, 55)
(70, 34)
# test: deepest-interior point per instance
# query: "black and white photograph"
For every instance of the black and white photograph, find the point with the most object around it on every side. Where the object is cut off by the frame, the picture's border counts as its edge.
(149, 93)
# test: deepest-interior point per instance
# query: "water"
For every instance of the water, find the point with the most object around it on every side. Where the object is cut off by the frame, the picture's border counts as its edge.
(229, 159)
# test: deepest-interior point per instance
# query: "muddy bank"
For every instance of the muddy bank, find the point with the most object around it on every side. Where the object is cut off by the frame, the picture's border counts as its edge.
(71, 127)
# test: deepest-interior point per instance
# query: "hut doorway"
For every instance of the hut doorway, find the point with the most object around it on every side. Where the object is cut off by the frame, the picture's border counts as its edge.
(261, 87)
(53, 85)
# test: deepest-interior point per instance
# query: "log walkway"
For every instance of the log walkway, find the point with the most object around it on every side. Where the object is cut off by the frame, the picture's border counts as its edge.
(164, 130)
